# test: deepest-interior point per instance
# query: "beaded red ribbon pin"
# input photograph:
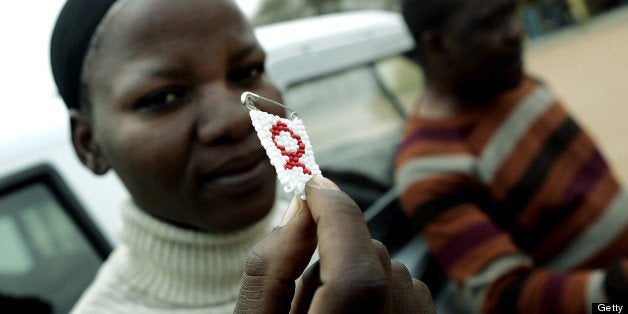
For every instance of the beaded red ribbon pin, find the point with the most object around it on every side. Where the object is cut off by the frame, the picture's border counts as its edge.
(286, 144)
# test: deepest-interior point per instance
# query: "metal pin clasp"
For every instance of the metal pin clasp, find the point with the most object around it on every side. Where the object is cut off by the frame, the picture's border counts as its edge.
(248, 100)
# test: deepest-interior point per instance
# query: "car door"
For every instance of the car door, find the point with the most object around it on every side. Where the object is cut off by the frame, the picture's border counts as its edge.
(49, 249)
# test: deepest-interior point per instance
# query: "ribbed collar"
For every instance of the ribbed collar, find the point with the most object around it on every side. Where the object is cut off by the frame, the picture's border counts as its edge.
(183, 267)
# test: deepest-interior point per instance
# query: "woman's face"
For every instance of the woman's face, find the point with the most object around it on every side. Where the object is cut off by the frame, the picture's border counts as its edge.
(164, 81)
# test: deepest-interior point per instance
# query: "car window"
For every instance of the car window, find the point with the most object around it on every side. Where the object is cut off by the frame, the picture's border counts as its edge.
(46, 258)
(355, 117)
(404, 79)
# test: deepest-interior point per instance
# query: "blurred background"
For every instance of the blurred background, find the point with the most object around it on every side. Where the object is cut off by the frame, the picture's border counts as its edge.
(579, 47)
(540, 16)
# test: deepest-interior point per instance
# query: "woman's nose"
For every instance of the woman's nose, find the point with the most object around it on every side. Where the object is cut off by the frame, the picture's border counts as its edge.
(221, 118)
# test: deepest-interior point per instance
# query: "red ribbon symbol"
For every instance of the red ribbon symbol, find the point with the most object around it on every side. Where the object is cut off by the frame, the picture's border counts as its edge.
(293, 157)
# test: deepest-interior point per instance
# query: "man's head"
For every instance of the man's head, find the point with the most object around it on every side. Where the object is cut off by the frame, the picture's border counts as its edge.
(472, 48)
(157, 101)
(422, 16)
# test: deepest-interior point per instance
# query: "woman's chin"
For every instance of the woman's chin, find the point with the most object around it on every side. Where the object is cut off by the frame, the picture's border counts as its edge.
(228, 212)
(238, 218)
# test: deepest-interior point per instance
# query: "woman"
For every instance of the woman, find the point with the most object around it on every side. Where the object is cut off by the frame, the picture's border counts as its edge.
(153, 90)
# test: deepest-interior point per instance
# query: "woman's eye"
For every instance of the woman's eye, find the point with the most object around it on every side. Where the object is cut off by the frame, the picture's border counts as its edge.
(161, 99)
(247, 74)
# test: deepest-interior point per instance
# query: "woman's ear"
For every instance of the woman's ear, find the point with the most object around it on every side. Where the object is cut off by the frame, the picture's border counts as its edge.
(85, 146)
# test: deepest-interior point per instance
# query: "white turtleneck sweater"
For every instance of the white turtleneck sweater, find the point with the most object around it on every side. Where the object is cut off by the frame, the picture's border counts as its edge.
(161, 268)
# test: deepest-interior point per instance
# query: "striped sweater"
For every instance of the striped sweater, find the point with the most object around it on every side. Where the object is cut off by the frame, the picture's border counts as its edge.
(518, 205)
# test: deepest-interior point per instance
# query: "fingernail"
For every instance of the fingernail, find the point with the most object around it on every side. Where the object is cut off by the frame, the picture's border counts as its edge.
(293, 208)
(321, 183)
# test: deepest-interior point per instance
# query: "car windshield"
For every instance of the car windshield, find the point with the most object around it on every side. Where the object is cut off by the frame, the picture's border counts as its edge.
(355, 117)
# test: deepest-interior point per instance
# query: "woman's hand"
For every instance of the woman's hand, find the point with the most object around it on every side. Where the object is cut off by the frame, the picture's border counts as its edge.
(354, 273)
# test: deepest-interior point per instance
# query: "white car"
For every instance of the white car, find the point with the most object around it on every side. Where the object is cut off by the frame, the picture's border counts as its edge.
(344, 74)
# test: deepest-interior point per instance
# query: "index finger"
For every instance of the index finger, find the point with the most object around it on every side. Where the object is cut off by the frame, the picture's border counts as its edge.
(349, 266)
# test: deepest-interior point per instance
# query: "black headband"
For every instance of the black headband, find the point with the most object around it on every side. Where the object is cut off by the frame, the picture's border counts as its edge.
(72, 33)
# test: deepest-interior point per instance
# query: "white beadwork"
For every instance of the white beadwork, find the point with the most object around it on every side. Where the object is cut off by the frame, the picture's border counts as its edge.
(294, 179)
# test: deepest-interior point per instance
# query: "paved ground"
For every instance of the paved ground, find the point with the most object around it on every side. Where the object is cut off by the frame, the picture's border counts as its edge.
(587, 66)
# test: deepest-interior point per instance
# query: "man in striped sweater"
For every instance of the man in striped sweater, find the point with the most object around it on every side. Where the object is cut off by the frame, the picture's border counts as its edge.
(512, 196)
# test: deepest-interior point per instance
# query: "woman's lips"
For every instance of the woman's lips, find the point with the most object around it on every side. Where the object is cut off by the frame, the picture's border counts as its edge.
(238, 181)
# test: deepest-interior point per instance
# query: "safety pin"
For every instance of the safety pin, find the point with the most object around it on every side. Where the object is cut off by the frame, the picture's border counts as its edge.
(249, 98)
